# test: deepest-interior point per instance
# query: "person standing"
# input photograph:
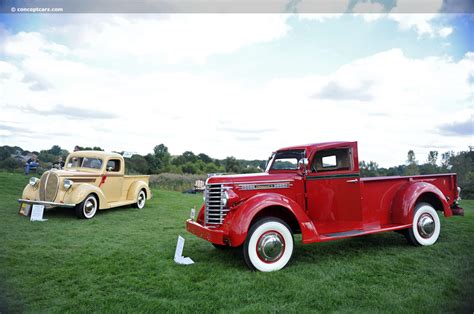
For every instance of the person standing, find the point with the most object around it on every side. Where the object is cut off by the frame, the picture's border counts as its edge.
(31, 163)
(59, 164)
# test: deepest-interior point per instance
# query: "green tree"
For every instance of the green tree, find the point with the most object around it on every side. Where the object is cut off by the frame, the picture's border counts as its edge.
(232, 165)
(189, 167)
(412, 164)
(205, 158)
(137, 164)
(432, 157)
(4, 154)
(189, 156)
(445, 158)
(369, 169)
(55, 150)
(160, 159)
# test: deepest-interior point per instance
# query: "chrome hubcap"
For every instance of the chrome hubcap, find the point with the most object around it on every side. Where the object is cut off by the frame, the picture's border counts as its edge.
(270, 246)
(141, 199)
(89, 206)
(426, 225)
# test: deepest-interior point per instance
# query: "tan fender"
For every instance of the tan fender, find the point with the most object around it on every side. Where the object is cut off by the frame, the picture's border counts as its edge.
(79, 192)
(30, 193)
(136, 187)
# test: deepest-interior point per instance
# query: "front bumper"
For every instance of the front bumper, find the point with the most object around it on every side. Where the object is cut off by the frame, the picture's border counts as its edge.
(49, 204)
(215, 236)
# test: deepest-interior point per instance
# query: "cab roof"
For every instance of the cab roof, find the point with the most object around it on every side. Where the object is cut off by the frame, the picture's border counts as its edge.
(319, 146)
(94, 153)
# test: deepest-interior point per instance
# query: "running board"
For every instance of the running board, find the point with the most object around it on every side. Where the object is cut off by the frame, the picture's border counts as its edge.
(120, 203)
(359, 232)
(344, 234)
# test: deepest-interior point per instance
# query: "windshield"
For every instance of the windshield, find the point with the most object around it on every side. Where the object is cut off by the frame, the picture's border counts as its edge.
(286, 160)
(84, 162)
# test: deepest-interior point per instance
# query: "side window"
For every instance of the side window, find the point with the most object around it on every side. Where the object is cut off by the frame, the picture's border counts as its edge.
(113, 165)
(332, 159)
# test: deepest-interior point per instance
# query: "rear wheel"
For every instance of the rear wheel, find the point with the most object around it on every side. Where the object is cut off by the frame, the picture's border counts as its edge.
(141, 200)
(87, 208)
(269, 245)
(426, 226)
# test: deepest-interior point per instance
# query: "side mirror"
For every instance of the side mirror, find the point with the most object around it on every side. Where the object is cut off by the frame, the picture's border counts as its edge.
(110, 168)
(302, 163)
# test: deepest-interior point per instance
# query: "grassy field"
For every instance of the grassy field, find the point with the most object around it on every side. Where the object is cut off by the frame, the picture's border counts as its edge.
(122, 261)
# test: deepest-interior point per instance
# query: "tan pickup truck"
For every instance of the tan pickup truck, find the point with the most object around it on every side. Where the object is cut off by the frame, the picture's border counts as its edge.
(90, 180)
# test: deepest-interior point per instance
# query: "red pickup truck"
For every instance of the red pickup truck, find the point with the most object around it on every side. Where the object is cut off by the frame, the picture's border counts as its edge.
(316, 190)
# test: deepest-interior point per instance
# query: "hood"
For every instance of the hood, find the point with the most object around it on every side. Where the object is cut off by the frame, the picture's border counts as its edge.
(251, 178)
(71, 173)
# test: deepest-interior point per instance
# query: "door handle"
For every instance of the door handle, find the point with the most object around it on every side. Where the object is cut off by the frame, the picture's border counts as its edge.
(353, 181)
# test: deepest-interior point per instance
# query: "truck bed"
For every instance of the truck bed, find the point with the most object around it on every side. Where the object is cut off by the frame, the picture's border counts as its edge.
(129, 180)
(378, 193)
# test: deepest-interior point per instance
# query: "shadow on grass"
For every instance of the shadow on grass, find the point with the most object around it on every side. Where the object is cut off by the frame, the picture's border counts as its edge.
(65, 212)
(315, 253)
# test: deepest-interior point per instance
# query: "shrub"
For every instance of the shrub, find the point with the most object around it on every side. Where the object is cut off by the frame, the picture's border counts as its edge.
(10, 164)
(175, 182)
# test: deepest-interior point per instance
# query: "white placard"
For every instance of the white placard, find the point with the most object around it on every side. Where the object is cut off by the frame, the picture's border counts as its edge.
(178, 255)
(37, 213)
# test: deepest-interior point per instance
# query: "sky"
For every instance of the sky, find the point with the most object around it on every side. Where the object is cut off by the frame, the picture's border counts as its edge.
(239, 85)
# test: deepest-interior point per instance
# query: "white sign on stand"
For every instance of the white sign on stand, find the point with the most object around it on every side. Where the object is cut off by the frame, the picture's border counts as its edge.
(178, 255)
(37, 213)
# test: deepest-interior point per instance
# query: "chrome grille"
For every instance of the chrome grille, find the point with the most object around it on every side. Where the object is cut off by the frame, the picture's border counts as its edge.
(215, 211)
(49, 184)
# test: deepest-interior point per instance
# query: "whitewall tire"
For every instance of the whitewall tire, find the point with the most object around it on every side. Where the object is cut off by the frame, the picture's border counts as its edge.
(141, 200)
(426, 226)
(269, 245)
(87, 208)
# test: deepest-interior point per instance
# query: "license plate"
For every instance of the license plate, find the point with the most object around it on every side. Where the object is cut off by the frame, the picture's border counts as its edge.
(25, 209)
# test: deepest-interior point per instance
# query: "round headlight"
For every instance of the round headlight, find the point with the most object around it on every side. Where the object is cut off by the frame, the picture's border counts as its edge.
(67, 184)
(33, 181)
(225, 198)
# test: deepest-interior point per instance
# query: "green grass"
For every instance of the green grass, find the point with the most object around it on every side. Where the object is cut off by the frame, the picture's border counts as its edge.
(122, 261)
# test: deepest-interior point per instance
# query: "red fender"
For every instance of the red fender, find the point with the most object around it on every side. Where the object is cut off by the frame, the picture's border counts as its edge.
(237, 222)
(405, 199)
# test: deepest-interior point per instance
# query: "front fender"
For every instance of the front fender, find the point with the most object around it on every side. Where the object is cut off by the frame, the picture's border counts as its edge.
(30, 193)
(237, 222)
(79, 192)
(405, 201)
(136, 187)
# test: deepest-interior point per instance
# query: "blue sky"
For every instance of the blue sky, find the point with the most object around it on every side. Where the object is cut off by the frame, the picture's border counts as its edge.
(247, 84)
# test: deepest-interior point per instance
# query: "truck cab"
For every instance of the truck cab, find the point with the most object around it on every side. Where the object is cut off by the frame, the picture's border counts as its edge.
(90, 181)
(316, 190)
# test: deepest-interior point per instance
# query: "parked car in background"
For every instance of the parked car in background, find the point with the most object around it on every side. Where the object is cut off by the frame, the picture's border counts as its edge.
(316, 190)
(90, 181)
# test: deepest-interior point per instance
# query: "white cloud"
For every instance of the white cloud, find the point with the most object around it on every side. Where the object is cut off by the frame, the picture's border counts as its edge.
(169, 38)
(445, 31)
(400, 107)
(31, 44)
(408, 14)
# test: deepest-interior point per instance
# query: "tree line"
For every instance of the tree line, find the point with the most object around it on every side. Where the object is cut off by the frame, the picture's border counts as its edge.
(161, 161)
(461, 163)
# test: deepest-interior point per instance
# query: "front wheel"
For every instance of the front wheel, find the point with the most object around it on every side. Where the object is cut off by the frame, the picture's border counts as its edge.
(141, 200)
(269, 245)
(426, 226)
(87, 208)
